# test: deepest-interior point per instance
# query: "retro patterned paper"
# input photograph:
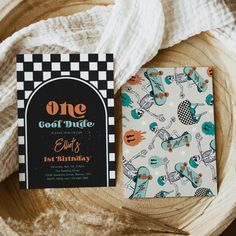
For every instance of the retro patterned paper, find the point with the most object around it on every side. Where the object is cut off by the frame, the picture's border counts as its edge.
(169, 133)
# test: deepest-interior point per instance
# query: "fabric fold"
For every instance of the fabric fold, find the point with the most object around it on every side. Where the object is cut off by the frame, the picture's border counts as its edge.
(133, 34)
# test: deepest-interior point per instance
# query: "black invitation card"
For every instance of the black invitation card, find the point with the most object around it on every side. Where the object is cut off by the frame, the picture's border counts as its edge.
(66, 120)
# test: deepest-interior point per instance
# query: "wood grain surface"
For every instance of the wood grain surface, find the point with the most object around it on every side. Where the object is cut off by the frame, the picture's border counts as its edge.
(197, 216)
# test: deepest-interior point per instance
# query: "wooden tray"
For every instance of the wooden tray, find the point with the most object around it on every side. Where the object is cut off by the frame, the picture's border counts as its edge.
(198, 216)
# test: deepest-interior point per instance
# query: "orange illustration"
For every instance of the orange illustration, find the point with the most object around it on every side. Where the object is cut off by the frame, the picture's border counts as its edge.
(133, 137)
(134, 80)
(209, 72)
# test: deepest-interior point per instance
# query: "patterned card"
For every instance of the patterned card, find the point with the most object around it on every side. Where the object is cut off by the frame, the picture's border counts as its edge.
(66, 120)
(169, 133)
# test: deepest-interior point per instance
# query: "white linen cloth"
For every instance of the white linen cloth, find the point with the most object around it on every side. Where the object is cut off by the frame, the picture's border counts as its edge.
(134, 30)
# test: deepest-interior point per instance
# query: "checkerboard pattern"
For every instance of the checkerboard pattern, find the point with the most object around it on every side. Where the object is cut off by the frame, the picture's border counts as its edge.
(34, 69)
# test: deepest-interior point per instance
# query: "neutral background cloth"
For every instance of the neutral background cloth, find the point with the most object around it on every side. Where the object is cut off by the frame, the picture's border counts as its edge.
(133, 30)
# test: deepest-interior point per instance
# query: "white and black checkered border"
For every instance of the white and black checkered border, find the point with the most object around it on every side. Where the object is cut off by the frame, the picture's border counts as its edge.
(34, 69)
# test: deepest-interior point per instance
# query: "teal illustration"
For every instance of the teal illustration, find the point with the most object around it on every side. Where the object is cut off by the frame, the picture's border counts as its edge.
(137, 114)
(194, 161)
(143, 105)
(183, 140)
(187, 112)
(155, 161)
(192, 176)
(169, 79)
(213, 144)
(158, 90)
(163, 193)
(180, 80)
(162, 180)
(209, 99)
(129, 170)
(193, 75)
(208, 128)
(169, 141)
(171, 177)
(206, 157)
(142, 179)
(153, 126)
(126, 100)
